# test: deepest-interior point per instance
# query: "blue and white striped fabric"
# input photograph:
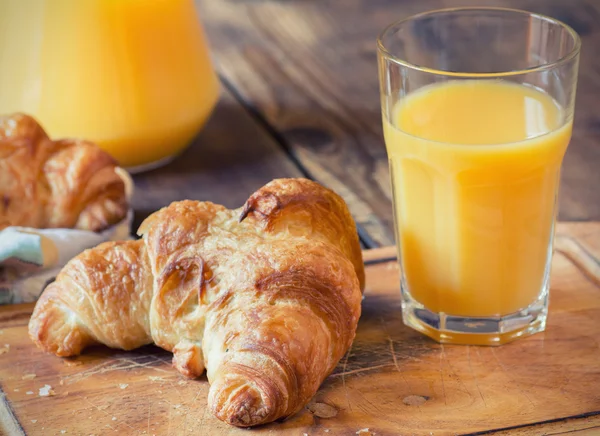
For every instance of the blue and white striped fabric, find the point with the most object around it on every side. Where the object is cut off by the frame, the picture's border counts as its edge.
(31, 258)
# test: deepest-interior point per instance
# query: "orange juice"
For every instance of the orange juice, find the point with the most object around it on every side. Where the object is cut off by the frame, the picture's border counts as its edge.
(475, 172)
(133, 75)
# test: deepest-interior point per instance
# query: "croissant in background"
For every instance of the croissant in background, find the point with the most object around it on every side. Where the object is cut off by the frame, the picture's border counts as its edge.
(50, 184)
(266, 298)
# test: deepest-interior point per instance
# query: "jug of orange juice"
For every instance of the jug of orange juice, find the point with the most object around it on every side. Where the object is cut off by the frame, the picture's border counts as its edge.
(135, 76)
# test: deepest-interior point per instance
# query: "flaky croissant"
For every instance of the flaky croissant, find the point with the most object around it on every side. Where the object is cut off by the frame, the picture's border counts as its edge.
(265, 297)
(48, 184)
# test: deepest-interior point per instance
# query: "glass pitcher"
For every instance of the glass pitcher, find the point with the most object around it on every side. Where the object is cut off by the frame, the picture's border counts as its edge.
(134, 76)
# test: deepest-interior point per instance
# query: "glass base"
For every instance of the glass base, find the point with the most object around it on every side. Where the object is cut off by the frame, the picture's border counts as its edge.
(496, 330)
(152, 165)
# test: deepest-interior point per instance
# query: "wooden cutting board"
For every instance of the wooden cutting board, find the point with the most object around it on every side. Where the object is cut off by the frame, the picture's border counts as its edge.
(393, 381)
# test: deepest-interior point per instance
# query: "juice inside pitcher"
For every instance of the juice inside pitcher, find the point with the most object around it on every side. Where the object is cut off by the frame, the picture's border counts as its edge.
(475, 172)
(135, 76)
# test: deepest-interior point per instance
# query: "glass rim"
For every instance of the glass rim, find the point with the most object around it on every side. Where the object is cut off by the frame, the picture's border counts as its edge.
(574, 52)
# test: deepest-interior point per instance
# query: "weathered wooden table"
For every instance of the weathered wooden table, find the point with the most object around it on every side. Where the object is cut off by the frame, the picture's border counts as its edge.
(300, 98)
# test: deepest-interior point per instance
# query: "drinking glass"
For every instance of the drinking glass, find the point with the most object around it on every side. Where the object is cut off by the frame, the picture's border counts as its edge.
(477, 107)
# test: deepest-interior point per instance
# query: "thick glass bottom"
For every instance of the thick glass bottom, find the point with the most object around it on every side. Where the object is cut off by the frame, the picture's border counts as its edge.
(497, 330)
(152, 165)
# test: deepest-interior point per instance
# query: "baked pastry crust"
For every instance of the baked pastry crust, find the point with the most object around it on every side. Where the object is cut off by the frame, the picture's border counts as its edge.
(266, 298)
(68, 183)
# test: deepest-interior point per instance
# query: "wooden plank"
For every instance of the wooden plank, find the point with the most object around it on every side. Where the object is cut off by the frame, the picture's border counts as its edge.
(8, 422)
(231, 158)
(584, 426)
(393, 380)
(309, 68)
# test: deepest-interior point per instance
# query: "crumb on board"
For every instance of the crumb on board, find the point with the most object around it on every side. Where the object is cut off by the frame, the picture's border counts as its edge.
(28, 376)
(155, 378)
(415, 400)
(16, 390)
(61, 382)
(34, 421)
(46, 391)
(1, 332)
(182, 382)
(114, 418)
(29, 392)
(326, 430)
(364, 432)
(322, 410)
(123, 385)
(72, 362)
(177, 406)
(5, 349)
(63, 431)
(103, 407)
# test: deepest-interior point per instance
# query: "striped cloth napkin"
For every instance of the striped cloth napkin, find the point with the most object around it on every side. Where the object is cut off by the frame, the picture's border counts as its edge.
(31, 258)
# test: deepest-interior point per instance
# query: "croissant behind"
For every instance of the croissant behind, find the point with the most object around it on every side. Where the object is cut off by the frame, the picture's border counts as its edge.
(50, 184)
(266, 298)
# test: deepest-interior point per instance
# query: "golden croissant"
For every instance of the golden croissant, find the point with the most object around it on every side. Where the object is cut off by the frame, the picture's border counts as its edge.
(47, 184)
(266, 298)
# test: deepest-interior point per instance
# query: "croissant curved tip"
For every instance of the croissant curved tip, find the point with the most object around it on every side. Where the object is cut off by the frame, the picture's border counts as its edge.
(243, 411)
(40, 334)
(49, 331)
(241, 404)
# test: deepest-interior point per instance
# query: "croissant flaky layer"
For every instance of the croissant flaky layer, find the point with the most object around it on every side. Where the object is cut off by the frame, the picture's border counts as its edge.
(265, 298)
(67, 183)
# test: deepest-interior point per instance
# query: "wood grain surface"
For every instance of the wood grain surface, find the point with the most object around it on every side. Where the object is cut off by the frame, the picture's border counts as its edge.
(393, 381)
(307, 70)
(583, 426)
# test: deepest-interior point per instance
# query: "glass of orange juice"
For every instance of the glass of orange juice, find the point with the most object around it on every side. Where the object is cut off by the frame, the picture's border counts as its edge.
(134, 76)
(477, 108)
